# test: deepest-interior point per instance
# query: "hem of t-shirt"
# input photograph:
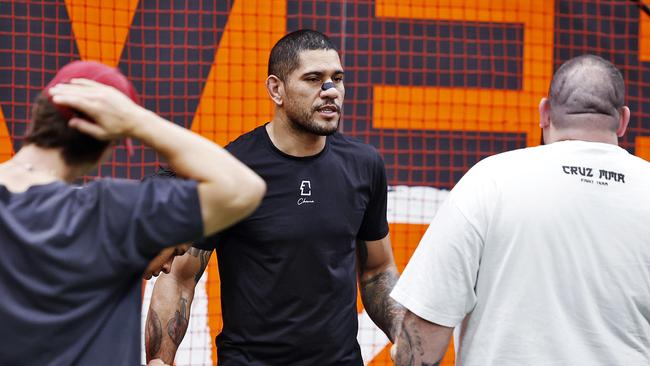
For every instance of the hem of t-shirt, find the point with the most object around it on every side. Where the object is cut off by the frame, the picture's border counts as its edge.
(202, 245)
(196, 231)
(198, 217)
(378, 237)
(423, 311)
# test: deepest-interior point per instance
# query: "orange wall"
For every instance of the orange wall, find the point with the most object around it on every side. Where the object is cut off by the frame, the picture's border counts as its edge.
(234, 99)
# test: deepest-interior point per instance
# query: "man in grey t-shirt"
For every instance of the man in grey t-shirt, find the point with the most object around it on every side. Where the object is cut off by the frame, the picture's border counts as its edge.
(72, 258)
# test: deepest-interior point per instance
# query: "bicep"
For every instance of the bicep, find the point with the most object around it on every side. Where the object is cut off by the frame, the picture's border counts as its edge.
(374, 256)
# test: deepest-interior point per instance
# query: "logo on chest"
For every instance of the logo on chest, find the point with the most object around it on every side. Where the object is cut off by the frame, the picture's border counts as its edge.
(305, 193)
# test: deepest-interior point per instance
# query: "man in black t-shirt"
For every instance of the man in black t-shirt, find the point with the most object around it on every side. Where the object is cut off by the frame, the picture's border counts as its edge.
(72, 257)
(289, 272)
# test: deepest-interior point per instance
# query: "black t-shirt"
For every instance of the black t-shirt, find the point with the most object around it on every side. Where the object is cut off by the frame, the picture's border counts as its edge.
(288, 275)
(72, 262)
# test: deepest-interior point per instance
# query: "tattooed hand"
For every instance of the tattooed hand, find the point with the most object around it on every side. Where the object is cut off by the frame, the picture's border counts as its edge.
(420, 343)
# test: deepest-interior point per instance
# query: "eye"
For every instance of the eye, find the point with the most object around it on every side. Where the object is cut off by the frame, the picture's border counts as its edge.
(337, 79)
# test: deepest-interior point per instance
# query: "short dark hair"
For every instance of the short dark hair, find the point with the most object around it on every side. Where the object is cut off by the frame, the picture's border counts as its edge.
(284, 55)
(49, 129)
(590, 86)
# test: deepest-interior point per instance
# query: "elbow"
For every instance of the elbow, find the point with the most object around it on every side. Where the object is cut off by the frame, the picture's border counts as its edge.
(229, 201)
(250, 192)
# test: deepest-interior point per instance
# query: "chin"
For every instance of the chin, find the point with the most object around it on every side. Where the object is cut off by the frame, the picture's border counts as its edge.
(326, 128)
(318, 128)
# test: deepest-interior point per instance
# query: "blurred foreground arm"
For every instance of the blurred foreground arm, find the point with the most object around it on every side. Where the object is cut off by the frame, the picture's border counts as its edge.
(420, 342)
(228, 190)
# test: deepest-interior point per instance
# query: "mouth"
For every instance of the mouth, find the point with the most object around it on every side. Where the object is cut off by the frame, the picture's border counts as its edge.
(329, 110)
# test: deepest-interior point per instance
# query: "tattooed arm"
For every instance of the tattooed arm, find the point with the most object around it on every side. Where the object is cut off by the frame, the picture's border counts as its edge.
(377, 276)
(169, 311)
(420, 343)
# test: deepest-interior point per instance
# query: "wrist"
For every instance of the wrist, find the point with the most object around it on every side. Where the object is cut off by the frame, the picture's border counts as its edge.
(138, 122)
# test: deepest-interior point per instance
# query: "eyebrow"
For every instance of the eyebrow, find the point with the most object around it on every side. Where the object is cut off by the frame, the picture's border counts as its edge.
(320, 73)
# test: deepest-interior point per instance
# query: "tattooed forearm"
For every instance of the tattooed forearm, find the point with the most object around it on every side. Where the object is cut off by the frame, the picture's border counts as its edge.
(204, 257)
(153, 334)
(381, 308)
(421, 343)
(410, 351)
(177, 325)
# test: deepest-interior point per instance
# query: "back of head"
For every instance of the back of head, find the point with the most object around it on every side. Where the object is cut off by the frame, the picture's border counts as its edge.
(49, 122)
(284, 55)
(587, 92)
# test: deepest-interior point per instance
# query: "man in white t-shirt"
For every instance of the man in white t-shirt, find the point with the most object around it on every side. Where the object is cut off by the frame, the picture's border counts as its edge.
(541, 256)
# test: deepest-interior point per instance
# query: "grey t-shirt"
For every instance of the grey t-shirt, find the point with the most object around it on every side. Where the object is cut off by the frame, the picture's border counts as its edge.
(71, 260)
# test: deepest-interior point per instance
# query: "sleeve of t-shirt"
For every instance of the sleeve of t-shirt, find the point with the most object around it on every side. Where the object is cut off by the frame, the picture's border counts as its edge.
(439, 280)
(375, 224)
(150, 215)
(208, 243)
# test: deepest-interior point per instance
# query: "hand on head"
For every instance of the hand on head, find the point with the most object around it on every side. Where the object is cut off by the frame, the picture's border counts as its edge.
(115, 115)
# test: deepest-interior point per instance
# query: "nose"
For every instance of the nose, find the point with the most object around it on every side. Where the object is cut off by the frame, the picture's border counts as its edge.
(329, 90)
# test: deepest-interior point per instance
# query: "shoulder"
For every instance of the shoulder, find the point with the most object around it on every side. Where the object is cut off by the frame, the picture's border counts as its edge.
(507, 159)
(354, 147)
(246, 141)
(109, 185)
(499, 167)
(130, 191)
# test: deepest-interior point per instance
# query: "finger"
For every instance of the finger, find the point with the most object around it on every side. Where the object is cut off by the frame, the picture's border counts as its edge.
(71, 98)
(87, 82)
(82, 81)
(88, 128)
(68, 88)
(59, 91)
(393, 351)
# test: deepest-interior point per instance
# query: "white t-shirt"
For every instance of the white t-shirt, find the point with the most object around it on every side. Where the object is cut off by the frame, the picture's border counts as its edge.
(542, 256)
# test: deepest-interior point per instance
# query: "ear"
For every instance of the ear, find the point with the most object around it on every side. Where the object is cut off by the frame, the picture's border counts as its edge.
(544, 113)
(275, 88)
(623, 122)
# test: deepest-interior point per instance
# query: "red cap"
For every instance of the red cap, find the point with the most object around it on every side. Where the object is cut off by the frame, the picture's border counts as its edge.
(94, 71)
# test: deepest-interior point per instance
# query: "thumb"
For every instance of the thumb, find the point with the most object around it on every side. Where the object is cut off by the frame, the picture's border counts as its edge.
(88, 128)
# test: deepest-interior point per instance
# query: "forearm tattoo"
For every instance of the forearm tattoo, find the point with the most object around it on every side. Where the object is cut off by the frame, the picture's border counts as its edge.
(153, 334)
(204, 257)
(410, 351)
(381, 308)
(177, 325)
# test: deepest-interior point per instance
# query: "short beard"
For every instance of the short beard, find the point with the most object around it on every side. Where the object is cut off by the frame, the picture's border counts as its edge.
(303, 122)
